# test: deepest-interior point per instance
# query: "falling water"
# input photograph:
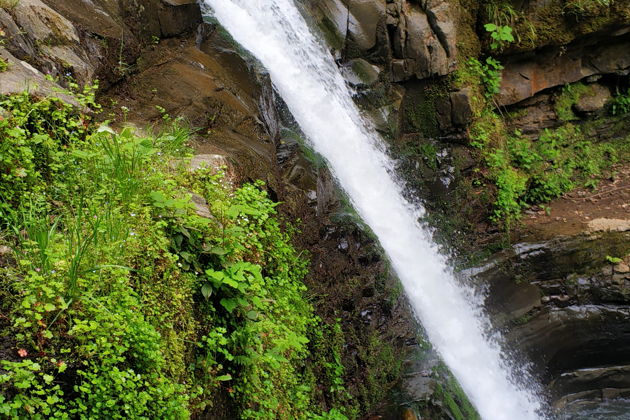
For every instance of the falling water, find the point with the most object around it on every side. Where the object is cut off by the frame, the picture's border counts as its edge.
(305, 75)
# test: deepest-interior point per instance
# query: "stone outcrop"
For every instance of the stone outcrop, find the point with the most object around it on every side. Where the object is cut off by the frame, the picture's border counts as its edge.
(67, 38)
(527, 74)
(412, 40)
(566, 307)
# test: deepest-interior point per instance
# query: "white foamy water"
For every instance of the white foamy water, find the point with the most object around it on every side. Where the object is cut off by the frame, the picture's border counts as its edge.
(305, 75)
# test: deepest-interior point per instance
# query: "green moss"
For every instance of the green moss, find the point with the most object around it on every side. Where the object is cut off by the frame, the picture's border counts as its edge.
(420, 107)
(4, 65)
(453, 398)
(468, 44)
(331, 34)
(420, 117)
(569, 96)
(561, 21)
(382, 366)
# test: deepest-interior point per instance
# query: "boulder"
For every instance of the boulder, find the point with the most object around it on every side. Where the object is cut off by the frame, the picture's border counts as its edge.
(102, 18)
(209, 161)
(443, 18)
(43, 23)
(201, 206)
(461, 110)
(604, 224)
(365, 16)
(533, 115)
(362, 73)
(15, 39)
(593, 100)
(21, 76)
(178, 16)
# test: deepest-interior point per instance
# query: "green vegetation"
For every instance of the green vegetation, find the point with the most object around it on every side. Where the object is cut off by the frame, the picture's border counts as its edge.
(501, 35)
(122, 302)
(8, 4)
(3, 63)
(586, 8)
(567, 98)
(556, 22)
(525, 171)
(507, 24)
(613, 260)
(620, 104)
(452, 396)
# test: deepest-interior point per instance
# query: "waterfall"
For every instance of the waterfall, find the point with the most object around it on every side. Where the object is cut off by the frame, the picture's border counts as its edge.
(305, 75)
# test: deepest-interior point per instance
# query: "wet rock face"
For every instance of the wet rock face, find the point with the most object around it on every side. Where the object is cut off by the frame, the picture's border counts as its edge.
(566, 304)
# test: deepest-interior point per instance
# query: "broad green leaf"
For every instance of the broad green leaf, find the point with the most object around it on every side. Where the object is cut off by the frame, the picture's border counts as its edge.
(206, 290)
(229, 304)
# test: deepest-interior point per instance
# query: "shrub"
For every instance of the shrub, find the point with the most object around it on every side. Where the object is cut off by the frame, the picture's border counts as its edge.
(124, 302)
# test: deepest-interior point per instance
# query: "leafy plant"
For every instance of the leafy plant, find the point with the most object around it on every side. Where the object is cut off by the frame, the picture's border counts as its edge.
(124, 302)
(501, 35)
(586, 8)
(620, 104)
(613, 260)
(489, 74)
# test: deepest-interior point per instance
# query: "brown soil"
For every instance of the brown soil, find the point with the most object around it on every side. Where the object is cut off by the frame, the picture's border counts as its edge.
(607, 207)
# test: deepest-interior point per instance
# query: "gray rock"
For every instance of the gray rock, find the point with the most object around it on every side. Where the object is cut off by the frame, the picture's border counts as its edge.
(443, 18)
(365, 16)
(201, 206)
(102, 18)
(593, 100)
(178, 17)
(424, 41)
(15, 40)
(363, 73)
(211, 161)
(461, 110)
(43, 23)
(612, 380)
(534, 115)
(622, 268)
(21, 76)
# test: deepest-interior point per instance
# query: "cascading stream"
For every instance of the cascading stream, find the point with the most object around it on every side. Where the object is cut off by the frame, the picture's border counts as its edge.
(305, 75)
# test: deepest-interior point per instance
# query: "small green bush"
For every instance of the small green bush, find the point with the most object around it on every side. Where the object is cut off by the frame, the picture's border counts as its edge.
(620, 104)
